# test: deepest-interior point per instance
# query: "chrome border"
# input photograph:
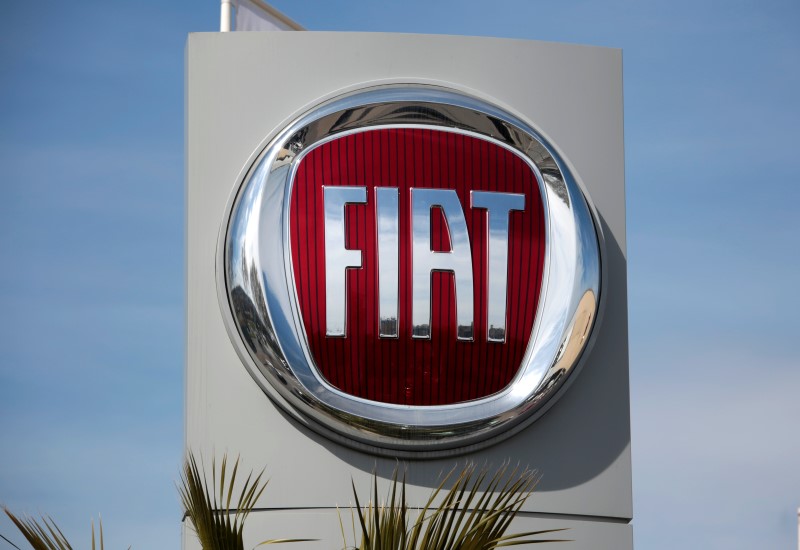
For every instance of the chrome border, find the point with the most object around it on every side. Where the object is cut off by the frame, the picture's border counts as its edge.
(257, 292)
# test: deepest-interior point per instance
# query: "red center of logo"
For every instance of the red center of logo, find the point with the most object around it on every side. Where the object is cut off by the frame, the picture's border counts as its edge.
(417, 257)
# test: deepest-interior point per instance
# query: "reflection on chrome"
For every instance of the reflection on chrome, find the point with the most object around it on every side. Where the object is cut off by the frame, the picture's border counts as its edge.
(387, 214)
(499, 207)
(424, 260)
(259, 302)
(338, 259)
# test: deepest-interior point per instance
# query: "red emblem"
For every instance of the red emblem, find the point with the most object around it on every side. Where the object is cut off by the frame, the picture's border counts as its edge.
(441, 369)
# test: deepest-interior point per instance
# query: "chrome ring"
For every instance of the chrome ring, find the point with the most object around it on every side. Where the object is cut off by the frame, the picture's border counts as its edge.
(259, 303)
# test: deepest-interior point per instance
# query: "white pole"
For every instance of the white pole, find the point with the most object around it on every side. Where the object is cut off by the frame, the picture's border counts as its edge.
(225, 15)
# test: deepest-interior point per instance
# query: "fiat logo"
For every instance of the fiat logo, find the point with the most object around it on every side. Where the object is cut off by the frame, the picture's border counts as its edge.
(409, 269)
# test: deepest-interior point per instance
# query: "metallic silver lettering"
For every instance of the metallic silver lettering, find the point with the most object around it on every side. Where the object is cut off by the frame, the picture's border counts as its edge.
(425, 261)
(498, 207)
(386, 215)
(338, 259)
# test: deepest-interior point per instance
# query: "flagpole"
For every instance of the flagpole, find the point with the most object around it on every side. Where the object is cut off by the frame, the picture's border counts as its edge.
(225, 15)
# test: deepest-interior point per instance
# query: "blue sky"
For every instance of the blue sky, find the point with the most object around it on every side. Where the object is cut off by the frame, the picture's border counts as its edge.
(91, 241)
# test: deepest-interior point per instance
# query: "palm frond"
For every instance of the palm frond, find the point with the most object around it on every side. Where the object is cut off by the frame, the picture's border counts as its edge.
(474, 514)
(216, 511)
(383, 525)
(45, 534)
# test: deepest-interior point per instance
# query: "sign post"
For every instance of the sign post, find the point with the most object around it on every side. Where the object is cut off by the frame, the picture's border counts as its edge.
(408, 248)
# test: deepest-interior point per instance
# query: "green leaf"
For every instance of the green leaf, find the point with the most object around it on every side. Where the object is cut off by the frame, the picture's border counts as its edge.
(474, 514)
(216, 511)
(46, 535)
